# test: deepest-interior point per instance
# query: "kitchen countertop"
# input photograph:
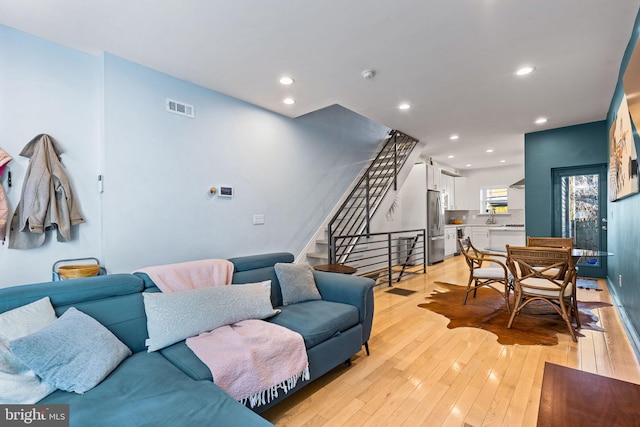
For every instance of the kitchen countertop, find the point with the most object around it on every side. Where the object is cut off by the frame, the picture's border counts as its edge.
(496, 227)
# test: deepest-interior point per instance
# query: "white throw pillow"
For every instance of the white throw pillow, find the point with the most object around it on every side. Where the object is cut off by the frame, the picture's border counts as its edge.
(174, 316)
(18, 383)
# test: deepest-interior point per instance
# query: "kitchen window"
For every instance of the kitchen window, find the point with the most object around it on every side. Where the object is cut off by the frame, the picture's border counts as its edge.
(494, 200)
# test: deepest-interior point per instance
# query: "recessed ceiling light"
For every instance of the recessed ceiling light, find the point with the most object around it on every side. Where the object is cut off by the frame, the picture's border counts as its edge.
(404, 106)
(289, 101)
(468, 165)
(451, 156)
(490, 150)
(503, 161)
(454, 137)
(368, 74)
(523, 71)
(541, 120)
(286, 80)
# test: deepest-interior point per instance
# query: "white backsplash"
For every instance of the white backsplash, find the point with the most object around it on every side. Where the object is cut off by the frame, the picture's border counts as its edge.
(515, 216)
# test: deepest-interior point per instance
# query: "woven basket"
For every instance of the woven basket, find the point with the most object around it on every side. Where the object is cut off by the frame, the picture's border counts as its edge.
(78, 270)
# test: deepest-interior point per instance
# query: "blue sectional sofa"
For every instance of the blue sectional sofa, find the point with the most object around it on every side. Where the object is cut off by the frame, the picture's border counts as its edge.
(172, 386)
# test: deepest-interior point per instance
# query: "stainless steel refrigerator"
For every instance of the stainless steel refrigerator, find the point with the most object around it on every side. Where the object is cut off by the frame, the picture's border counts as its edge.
(435, 227)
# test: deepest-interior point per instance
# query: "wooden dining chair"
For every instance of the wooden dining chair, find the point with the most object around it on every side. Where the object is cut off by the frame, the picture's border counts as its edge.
(550, 242)
(486, 269)
(560, 242)
(543, 274)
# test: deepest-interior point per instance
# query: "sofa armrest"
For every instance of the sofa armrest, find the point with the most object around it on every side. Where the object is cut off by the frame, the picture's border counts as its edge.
(353, 290)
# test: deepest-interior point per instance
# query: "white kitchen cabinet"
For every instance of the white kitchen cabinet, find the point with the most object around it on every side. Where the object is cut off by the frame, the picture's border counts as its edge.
(516, 198)
(500, 237)
(480, 237)
(449, 241)
(433, 178)
(448, 190)
(461, 191)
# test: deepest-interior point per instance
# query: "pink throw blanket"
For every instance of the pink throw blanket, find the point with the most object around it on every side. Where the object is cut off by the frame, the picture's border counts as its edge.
(252, 359)
(183, 276)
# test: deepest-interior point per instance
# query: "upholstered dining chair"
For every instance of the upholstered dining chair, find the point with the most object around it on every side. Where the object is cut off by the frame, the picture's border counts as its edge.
(560, 242)
(486, 269)
(543, 274)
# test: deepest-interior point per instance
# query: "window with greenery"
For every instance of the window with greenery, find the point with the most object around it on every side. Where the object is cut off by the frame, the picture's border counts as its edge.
(494, 200)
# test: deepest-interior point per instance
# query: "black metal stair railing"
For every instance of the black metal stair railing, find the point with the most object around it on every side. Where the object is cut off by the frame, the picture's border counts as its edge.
(388, 257)
(354, 215)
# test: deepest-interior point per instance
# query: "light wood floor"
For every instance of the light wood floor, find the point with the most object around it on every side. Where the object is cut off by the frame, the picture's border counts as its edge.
(421, 373)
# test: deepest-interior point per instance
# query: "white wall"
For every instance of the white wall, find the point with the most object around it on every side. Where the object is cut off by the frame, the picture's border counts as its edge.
(109, 114)
(46, 88)
(498, 176)
(413, 198)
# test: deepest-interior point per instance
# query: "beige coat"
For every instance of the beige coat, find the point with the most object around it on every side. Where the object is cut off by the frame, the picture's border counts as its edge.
(4, 206)
(47, 200)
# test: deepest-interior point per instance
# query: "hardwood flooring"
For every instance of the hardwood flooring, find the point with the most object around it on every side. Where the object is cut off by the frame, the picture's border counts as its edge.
(420, 373)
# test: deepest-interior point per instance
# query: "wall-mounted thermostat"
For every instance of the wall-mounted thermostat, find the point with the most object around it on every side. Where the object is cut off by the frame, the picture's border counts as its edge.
(226, 192)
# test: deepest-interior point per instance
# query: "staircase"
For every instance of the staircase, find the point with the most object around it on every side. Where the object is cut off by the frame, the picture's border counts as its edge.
(355, 214)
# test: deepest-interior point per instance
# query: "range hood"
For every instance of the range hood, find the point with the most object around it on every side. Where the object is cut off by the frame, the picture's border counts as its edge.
(519, 184)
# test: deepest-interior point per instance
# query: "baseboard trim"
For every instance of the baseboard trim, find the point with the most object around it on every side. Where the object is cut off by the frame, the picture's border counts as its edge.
(631, 331)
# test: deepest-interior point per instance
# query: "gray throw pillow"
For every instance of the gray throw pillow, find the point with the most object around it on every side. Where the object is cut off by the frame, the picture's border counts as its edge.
(73, 353)
(296, 283)
(174, 316)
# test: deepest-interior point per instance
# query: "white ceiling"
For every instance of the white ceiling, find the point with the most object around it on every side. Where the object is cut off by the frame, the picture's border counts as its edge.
(452, 60)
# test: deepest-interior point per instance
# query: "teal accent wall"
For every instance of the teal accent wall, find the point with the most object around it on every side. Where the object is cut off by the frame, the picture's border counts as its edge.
(624, 229)
(588, 144)
(578, 145)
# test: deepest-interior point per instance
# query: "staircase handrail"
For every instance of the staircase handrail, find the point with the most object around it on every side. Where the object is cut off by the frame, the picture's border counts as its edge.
(370, 208)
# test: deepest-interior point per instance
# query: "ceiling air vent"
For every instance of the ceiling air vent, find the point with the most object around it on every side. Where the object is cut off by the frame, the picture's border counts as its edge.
(181, 108)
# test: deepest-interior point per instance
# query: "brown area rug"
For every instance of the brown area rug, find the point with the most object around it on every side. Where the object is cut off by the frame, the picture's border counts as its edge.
(537, 324)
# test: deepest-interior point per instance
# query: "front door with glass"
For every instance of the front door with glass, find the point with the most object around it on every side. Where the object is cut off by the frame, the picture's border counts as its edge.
(579, 207)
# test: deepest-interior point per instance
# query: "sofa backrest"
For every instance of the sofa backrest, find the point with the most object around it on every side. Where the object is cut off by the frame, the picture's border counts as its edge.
(114, 300)
(257, 268)
(247, 269)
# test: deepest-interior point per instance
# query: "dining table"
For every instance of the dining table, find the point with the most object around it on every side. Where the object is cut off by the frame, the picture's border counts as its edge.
(577, 253)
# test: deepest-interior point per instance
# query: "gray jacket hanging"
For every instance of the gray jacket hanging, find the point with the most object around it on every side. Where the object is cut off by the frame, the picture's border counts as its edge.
(47, 200)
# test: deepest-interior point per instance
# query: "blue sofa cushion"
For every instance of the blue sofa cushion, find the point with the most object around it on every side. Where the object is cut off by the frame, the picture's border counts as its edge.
(318, 320)
(146, 389)
(96, 296)
(184, 358)
(70, 292)
(254, 262)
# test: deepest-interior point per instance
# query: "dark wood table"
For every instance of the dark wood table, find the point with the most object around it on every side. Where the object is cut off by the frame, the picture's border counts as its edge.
(575, 398)
(335, 268)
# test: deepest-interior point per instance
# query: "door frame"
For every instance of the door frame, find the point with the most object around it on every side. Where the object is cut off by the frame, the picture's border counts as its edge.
(602, 172)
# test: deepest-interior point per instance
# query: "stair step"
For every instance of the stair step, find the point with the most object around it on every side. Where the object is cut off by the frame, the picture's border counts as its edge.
(319, 255)
(351, 219)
